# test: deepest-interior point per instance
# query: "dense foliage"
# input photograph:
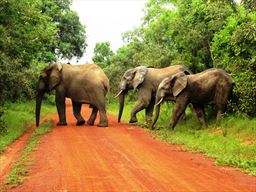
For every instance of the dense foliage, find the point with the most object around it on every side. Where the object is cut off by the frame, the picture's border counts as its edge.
(234, 49)
(102, 54)
(199, 34)
(33, 33)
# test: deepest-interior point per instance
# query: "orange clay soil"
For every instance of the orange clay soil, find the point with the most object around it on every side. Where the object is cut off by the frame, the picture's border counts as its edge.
(119, 158)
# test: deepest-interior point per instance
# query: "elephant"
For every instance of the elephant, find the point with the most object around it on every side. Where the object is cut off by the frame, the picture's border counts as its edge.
(146, 81)
(85, 83)
(210, 87)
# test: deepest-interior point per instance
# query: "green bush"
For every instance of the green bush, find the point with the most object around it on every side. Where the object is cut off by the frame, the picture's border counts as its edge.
(245, 92)
(18, 117)
(114, 74)
(234, 49)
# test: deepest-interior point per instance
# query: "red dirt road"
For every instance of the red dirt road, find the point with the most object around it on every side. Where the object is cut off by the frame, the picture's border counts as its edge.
(122, 158)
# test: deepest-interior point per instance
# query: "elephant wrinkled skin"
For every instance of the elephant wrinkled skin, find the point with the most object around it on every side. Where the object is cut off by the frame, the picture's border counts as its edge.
(210, 87)
(146, 81)
(81, 83)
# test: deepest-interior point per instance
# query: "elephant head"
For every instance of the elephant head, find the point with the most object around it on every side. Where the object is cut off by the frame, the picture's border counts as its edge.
(48, 80)
(131, 79)
(169, 87)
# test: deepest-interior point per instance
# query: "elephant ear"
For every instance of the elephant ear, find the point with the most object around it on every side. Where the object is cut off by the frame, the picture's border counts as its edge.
(55, 75)
(139, 76)
(179, 83)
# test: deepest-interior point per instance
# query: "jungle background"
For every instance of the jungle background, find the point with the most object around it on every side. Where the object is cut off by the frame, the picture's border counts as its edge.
(199, 34)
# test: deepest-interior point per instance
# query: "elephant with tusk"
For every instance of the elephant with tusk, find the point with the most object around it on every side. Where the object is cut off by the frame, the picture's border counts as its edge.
(81, 83)
(212, 86)
(146, 81)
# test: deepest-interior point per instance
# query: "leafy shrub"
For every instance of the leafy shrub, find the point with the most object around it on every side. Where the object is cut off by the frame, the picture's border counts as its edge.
(234, 49)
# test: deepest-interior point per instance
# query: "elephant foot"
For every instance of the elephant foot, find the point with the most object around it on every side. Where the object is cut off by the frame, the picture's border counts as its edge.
(133, 120)
(80, 122)
(89, 122)
(62, 124)
(151, 127)
(103, 124)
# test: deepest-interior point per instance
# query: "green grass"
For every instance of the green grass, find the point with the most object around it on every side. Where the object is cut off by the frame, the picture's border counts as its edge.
(18, 117)
(20, 169)
(232, 143)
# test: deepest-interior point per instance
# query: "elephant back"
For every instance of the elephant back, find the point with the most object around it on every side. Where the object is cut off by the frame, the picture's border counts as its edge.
(158, 74)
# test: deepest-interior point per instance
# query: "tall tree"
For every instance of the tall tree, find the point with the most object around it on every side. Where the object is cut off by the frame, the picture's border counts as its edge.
(34, 32)
(24, 33)
(234, 49)
(71, 35)
(180, 31)
(102, 54)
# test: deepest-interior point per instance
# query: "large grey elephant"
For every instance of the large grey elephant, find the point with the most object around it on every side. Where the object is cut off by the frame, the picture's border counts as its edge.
(146, 81)
(212, 86)
(81, 83)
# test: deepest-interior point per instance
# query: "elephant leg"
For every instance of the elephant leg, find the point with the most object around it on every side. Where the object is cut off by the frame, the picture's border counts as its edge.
(221, 104)
(149, 111)
(199, 109)
(61, 108)
(135, 110)
(103, 118)
(183, 116)
(93, 115)
(145, 98)
(220, 113)
(77, 113)
(178, 111)
(102, 111)
(219, 117)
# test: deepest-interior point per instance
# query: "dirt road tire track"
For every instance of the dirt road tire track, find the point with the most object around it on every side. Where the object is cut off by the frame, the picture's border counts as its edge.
(122, 158)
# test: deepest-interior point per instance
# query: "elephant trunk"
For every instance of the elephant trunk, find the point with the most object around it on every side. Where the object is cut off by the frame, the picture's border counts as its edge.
(158, 103)
(121, 104)
(39, 97)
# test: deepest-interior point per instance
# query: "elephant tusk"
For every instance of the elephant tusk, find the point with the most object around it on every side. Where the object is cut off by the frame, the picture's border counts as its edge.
(119, 93)
(160, 101)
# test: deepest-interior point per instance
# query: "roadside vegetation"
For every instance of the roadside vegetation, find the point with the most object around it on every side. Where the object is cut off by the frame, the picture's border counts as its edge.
(232, 143)
(199, 35)
(20, 170)
(17, 118)
(30, 39)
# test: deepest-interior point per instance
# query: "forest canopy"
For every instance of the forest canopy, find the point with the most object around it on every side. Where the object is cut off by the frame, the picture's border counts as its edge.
(199, 34)
(34, 33)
